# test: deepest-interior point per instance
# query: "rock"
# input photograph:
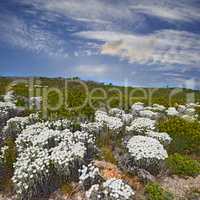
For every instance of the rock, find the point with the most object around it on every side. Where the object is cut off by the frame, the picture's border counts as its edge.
(145, 176)
(4, 197)
(181, 187)
(142, 174)
(76, 194)
(108, 170)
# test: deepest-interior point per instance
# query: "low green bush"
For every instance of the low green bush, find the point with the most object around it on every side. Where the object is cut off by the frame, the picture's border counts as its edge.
(183, 165)
(6, 170)
(154, 191)
(185, 135)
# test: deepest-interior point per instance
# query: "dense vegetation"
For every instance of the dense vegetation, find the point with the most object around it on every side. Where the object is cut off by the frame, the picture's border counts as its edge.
(185, 134)
(183, 165)
(75, 95)
(141, 139)
(155, 192)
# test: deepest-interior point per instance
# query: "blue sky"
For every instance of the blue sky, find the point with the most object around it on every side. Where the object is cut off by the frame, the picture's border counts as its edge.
(143, 42)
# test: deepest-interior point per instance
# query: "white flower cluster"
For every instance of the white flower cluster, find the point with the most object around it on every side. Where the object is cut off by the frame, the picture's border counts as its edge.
(111, 189)
(2, 153)
(171, 111)
(93, 192)
(10, 97)
(162, 137)
(186, 112)
(41, 148)
(100, 115)
(93, 127)
(157, 107)
(60, 124)
(181, 108)
(6, 110)
(141, 125)
(127, 119)
(136, 108)
(146, 152)
(116, 112)
(148, 114)
(118, 189)
(152, 112)
(145, 147)
(88, 172)
(35, 101)
(114, 124)
(15, 125)
(31, 170)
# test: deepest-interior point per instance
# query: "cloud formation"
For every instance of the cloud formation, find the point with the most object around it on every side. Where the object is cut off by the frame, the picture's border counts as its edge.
(18, 33)
(162, 47)
(92, 70)
(176, 11)
(158, 41)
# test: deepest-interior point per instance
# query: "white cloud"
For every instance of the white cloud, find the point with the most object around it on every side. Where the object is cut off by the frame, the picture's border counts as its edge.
(101, 11)
(97, 11)
(173, 11)
(18, 34)
(162, 47)
(92, 70)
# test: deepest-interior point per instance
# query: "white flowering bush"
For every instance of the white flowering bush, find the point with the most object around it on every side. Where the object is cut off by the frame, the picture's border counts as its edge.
(181, 108)
(60, 124)
(112, 189)
(2, 153)
(189, 111)
(10, 97)
(141, 125)
(146, 153)
(35, 102)
(162, 137)
(136, 108)
(114, 124)
(7, 110)
(171, 111)
(95, 128)
(148, 114)
(127, 119)
(43, 153)
(15, 125)
(189, 118)
(192, 105)
(116, 112)
(89, 175)
(158, 107)
(100, 116)
(31, 171)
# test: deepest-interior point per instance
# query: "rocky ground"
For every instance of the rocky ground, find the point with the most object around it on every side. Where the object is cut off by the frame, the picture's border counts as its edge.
(182, 187)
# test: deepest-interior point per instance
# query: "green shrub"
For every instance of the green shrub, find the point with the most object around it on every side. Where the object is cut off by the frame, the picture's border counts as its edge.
(154, 191)
(107, 154)
(183, 165)
(6, 171)
(198, 112)
(66, 188)
(185, 135)
(10, 154)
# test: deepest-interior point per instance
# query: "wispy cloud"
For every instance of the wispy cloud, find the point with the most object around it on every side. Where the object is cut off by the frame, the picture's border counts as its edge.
(177, 11)
(98, 11)
(92, 70)
(162, 47)
(18, 33)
